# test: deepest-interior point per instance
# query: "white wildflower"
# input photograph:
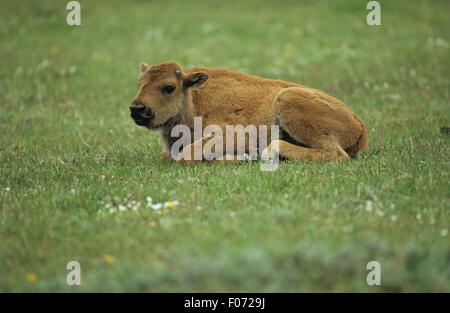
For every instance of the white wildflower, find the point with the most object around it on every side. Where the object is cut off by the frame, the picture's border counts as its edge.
(369, 206)
(170, 204)
(43, 64)
(380, 213)
(156, 206)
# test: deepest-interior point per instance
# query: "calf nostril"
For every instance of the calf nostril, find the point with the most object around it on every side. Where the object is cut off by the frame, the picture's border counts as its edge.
(148, 113)
(137, 109)
(139, 112)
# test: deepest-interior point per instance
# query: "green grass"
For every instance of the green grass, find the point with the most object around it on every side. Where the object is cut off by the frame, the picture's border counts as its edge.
(305, 227)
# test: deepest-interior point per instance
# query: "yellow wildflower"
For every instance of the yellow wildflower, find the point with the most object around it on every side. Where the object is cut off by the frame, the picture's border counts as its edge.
(53, 51)
(109, 258)
(288, 50)
(31, 277)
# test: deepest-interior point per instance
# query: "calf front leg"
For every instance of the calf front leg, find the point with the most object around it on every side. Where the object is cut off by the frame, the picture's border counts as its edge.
(194, 153)
(166, 157)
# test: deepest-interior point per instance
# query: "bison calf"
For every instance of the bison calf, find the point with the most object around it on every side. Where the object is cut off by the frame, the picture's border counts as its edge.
(313, 125)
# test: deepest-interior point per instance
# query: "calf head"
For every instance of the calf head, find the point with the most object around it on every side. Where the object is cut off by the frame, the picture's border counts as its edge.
(163, 92)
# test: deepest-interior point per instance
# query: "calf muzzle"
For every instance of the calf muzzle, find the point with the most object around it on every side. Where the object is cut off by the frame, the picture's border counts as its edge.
(141, 115)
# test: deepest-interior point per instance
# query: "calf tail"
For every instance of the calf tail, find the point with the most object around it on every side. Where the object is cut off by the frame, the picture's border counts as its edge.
(361, 142)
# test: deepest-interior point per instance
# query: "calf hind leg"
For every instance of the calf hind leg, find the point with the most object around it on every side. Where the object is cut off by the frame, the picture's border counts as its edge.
(331, 152)
(319, 124)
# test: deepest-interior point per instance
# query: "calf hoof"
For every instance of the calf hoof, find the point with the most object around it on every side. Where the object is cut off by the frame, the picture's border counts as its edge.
(272, 151)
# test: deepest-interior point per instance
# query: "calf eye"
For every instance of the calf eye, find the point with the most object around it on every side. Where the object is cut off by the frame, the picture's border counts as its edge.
(168, 89)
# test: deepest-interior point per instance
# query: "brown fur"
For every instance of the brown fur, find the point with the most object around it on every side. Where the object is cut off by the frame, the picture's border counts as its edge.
(314, 125)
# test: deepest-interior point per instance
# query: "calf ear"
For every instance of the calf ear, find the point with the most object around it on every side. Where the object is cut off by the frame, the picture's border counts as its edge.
(195, 79)
(144, 67)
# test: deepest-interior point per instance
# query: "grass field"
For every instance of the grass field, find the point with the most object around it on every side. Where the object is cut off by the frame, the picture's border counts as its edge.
(68, 145)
